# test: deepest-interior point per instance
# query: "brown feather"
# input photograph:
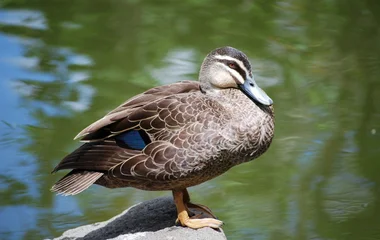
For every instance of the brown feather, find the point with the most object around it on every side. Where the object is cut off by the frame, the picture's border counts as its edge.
(96, 156)
(75, 182)
(137, 102)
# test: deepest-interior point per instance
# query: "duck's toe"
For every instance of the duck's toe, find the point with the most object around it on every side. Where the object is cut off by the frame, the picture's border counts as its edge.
(200, 223)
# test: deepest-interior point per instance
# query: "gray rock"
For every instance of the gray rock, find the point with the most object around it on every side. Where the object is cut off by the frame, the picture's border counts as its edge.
(150, 220)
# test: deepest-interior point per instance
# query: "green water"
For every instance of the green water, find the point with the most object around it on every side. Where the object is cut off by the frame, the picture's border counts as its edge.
(64, 64)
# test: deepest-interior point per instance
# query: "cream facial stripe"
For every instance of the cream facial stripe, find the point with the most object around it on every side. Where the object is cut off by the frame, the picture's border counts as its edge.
(233, 73)
(236, 75)
(240, 63)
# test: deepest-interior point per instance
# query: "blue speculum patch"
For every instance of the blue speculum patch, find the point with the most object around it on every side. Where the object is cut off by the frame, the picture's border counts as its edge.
(135, 139)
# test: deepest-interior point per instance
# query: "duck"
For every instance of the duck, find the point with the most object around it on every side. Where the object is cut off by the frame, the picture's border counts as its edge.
(176, 136)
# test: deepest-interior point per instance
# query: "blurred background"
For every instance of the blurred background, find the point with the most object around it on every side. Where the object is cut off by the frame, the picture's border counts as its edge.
(64, 64)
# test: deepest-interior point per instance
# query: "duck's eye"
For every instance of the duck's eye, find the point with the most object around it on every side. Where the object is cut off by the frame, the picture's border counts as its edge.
(232, 65)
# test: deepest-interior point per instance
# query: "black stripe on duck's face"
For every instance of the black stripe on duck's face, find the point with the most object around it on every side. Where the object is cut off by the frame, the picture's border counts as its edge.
(133, 139)
(233, 53)
(254, 92)
(235, 66)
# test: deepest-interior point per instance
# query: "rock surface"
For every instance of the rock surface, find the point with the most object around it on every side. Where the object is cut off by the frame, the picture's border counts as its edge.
(151, 220)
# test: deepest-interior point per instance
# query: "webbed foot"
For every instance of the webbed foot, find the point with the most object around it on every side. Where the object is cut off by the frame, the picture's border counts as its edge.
(201, 216)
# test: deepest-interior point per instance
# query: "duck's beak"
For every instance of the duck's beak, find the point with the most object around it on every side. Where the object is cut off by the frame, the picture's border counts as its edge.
(254, 92)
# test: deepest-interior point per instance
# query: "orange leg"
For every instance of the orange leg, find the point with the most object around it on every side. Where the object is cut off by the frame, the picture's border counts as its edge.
(183, 216)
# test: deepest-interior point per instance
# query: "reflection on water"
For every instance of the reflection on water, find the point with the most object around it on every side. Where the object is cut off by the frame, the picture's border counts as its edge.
(62, 67)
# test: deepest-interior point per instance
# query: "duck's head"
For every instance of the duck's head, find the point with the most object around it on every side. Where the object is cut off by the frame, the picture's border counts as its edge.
(228, 67)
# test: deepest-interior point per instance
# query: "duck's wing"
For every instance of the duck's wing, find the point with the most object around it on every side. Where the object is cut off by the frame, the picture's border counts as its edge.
(123, 132)
(133, 109)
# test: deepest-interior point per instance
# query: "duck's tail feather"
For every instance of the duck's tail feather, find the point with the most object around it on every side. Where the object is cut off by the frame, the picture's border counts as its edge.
(75, 182)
